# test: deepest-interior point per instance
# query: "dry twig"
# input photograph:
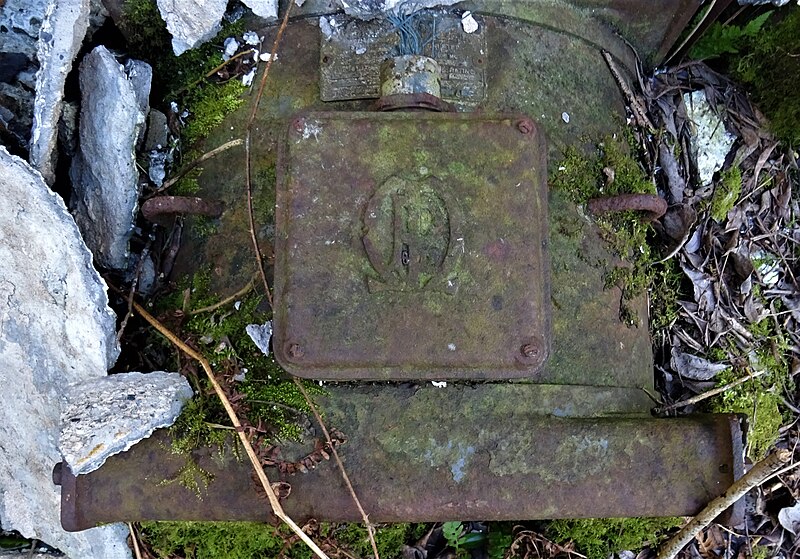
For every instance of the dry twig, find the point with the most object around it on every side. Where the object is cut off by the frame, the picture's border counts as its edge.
(277, 509)
(761, 472)
(208, 155)
(345, 477)
(709, 394)
(230, 299)
(135, 540)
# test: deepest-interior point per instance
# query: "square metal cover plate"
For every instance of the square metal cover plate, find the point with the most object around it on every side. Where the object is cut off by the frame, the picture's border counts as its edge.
(412, 246)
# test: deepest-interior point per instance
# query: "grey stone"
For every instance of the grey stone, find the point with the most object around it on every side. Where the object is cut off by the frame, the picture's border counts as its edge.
(55, 330)
(261, 334)
(104, 174)
(109, 415)
(21, 20)
(157, 130)
(370, 9)
(68, 128)
(191, 22)
(268, 9)
(60, 38)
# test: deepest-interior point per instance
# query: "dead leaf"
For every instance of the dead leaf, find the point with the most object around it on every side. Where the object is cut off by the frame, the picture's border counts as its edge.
(694, 367)
(710, 542)
(703, 289)
(789, 518)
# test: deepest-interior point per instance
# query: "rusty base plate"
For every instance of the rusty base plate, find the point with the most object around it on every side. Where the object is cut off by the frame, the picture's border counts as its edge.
(412, 246)
(413, 467)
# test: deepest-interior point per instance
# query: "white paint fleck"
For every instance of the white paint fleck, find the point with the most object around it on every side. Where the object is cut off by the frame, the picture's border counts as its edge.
(451, 346)
(565, 117)
(439, 384)
(468, 22)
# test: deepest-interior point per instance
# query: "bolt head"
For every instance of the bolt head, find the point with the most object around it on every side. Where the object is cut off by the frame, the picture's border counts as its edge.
(294, 351)
(529, 350)
(525, 126)
(298, 124)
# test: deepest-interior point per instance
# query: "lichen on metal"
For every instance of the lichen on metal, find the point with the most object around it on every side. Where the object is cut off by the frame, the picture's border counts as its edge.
(412, 246)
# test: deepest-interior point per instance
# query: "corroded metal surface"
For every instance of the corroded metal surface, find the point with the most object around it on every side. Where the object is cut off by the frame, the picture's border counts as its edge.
(351, 57)
(651, 205)
(412, 246)
(411, 467)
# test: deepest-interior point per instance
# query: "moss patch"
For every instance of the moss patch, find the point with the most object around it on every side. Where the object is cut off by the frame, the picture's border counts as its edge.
(598, 538)
(726, 193)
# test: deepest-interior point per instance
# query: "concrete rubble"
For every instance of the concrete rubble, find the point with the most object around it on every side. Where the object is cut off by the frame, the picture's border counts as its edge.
(107, 416)
(56, 330)
(104, 174)
(61, 35)
(710, 141)
(369, 9)
(191, 22)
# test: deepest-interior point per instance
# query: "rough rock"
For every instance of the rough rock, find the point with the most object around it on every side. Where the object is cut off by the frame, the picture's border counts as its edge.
(20, 21)
(268, 9)
(60, 38)
(55, 330)
(710, 141)
(191, 22)
(157, 131)
(104, 174)
(369, 9)
(107, 416)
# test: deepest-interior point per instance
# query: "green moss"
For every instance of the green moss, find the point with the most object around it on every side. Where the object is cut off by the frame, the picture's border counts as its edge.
(597, 538)
(726, 193)
(769, 65)
(208, 105)
(609, 171)
(212, 540)
(390, 538)
(182, 78)
(760, 398)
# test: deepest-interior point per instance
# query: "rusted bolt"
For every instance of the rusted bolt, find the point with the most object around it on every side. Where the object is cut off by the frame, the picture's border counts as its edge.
(294, 351)
(529, 350)
(525, 126)
(161, 205)
(651, 206)
(299, 124)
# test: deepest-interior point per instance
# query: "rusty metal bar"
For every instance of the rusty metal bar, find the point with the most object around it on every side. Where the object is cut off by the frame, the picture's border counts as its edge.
(407, 467)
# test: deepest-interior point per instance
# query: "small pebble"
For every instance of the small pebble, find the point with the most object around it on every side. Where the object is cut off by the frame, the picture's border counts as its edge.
(229, 48)
(565, 117)
(468, 22)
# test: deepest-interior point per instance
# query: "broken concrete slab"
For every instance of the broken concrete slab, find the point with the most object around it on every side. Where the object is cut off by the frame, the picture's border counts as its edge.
(55, 330)
(191, 22)
(109, 415)
(60, 38)
(104, 174)
(267, 9)
(710, 141)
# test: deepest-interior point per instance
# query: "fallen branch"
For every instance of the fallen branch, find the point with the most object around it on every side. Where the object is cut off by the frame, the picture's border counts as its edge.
(137, 552)
(760, 473)
(208, 155)
(277, 509)
(709, 394)
(345, 477)
(241, 293)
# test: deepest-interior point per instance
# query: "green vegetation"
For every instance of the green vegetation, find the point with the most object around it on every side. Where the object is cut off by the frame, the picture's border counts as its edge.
(763, 54)
(760, 398)
(722, 39)
(609, 171)
(246, 540)
(182, 78)
(597, 538)
(726, 193)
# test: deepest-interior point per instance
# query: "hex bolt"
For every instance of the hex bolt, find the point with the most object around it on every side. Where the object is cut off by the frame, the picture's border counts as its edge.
(529, 350)
(298, 124)
(525, 126)
(294, 351)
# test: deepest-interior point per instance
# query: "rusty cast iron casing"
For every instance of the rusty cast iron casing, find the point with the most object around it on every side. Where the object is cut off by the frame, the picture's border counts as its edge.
(412, 246)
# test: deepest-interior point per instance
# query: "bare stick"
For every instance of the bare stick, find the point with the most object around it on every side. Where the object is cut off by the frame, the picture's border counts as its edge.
(756, 476)
(196, 162)
(709, 394)
(241, 293)
(136, 550)
(277, 509)
(345, 477)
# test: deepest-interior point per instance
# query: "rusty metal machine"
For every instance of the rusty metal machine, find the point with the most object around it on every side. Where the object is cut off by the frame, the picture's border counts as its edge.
(417, 241)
